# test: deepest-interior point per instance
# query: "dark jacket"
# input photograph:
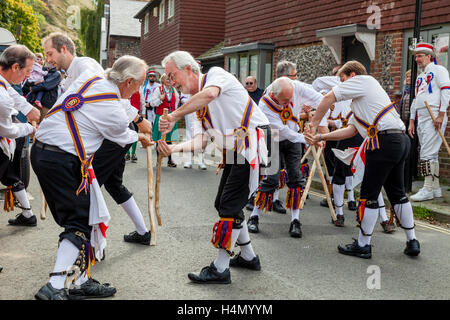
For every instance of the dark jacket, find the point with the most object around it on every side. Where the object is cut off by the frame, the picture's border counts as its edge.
(256, 95)
(49, 87)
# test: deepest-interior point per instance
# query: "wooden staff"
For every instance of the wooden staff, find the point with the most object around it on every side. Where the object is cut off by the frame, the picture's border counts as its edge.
(327, 175)
(308, 182)
(324, 183)
(158, 173)
(151, 196)
(43, 210)
(440, 132)
(306, 154)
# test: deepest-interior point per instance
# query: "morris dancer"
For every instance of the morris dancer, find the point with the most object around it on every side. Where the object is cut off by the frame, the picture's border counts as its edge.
(226, 112)
(66, 141)
(433, 86)
(375, 118)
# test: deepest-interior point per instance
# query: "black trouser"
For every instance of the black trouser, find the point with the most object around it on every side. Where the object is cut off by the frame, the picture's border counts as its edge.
(341, 170)
(59, 175)
(290, 156)
(385, 167)
(109, 164)
(330, 158)
(12, 175)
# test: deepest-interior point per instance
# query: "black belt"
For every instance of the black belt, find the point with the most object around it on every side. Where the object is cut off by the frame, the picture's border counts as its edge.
(391, 131)
(49, 147)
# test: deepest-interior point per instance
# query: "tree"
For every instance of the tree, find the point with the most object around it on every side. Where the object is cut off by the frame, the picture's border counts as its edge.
(15, 12)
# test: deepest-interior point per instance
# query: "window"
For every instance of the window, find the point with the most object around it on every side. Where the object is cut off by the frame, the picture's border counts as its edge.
(171, 9)
(251, 63)
(146, 22)
(162, 8)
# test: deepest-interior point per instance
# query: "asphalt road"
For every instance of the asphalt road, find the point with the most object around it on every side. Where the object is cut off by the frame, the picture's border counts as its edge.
(306, 268)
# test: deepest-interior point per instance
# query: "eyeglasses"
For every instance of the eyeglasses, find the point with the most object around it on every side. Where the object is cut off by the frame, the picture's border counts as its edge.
(249, 83)
(293, 75)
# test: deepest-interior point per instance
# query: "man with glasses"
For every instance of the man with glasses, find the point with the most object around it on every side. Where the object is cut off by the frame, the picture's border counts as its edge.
(432, 86)
(252, 88)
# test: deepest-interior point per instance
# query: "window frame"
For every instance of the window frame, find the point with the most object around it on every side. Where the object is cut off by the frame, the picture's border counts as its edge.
(162, 9)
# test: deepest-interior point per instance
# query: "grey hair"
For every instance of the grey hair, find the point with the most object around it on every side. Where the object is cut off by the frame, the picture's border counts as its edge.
(58, 40)
(126, 67)
(284, 68)
(281, 83)
(181, 60)
(17, 53)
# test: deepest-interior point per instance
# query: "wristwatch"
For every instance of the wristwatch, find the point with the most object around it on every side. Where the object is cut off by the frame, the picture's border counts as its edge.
(139, 120)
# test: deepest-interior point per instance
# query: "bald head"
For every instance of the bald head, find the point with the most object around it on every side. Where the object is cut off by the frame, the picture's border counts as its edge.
(282, 90)
(250, 84)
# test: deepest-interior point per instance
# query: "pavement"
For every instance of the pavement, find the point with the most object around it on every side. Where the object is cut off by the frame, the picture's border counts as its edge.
(309, 268)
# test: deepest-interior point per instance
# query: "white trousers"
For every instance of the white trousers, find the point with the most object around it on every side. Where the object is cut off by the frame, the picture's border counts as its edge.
(429, 138)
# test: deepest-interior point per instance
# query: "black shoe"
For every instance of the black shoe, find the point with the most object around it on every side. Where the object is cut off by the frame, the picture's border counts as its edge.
(387, 228)
(252, 224)
(137, 238)
(20, 220)
(127, 157)
(339, 220)
(238, 261)
(133, 158)
(171, 164)
(91, 289)
(295, 230)
(351, 205)
(211, 275)
(324, 203)
(250, 205)
(353, 249)
(47, 292)
(412, 248)
(278, 207)
(1, 268)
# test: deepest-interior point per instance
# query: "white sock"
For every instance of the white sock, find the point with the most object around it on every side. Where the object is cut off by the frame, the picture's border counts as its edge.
(135, 215)
(295, 215)
(338, 196)
(404, 213)
(382, 208)
(222, 261)
(256, 211)
(367, 224)
(349, 182)
(66, 256)
(247, 252)
(23, 200)
(275, 194)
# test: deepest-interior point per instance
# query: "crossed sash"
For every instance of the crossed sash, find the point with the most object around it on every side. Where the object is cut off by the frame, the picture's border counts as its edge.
(372, 130)
(285, 113)
(3, 85)
(72, 103)
(241, 133)
(345, 120)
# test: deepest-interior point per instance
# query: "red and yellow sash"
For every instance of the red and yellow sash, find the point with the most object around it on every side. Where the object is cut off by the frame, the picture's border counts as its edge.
(72, 103)
(372, 130)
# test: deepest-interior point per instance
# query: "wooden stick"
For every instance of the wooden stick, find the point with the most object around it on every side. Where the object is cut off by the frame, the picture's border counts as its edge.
(151, 196)
(327, 175)
(43, 206)
(308, 182)
(440, 132)
(158, 174)
(324, 183)
(305, 155)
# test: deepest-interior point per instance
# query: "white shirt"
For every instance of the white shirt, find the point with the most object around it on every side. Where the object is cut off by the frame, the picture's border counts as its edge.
(368, 99)
(325, 83)
(434, 78)
(81, 64)
(96, 121)
(10, 101)
(227, 109)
